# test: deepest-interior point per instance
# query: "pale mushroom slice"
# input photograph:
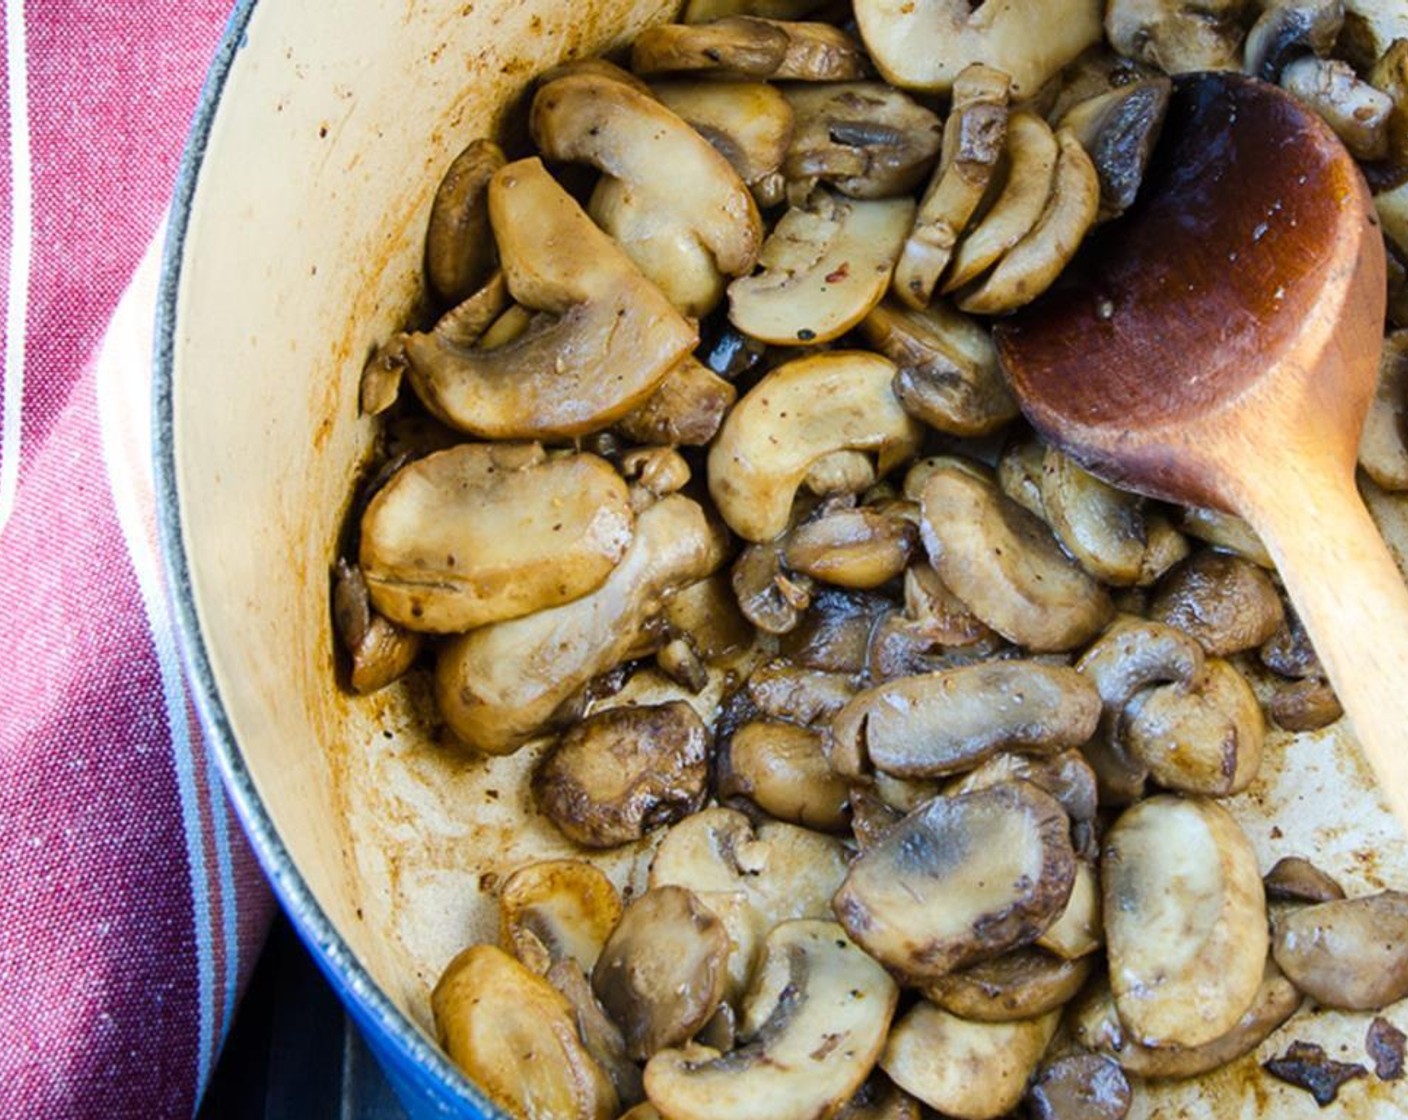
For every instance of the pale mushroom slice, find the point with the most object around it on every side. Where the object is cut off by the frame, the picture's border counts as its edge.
(948, 374)
(459, 246)
(814, 1024)
(1004, 563)
(800, 412)
(1287, 29)
(515, 1036)
(780, 50)
(685, 410)
(824, 266)
(751, 124)
(1178, 36)
(960, 880)
(946, 722)
(1358, 113)
(1348, 953)
(1031, 165)
(1080, 930)
(965, 1069)
(926, 44)
(1226, 532)
(499, 686)
(661, 975)
(1066, 775)
(1185, 920)
(381, 651)
(858, 548)
(1383, 447)
(867, 139)
(662, 221)
(1030, 266)
(1022, 984)
(557, 909)
(782, 769)
(1119, 129)
(975, 135)
(604, 339)
(1100, 525)
(483, 532)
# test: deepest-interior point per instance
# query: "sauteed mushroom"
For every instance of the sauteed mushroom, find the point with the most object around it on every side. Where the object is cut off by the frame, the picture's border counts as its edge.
(459, 247)
(1227, 603)
(1022, 984)
(1357, 111)
(1287, 29)
(782, 769)
(555, 910)
(1350, 953)
(753, 47)
(381, 651)
(1178, 36)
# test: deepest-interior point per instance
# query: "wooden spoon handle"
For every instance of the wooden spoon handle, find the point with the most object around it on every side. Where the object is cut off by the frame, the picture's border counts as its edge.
(1352, 599)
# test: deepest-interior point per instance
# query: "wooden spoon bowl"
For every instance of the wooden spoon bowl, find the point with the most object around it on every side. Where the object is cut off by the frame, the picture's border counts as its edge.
(1219, 346)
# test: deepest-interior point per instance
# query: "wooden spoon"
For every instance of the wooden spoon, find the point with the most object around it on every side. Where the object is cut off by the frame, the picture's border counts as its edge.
(1219, 346)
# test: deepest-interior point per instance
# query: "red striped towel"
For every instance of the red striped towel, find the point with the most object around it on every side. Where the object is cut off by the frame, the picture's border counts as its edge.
(130, 906)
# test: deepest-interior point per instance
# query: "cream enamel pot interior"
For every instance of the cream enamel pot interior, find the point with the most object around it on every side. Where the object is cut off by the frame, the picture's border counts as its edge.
(295, 247)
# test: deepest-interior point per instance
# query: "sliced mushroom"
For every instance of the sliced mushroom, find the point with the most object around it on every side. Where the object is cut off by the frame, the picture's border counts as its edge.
(653, 472)
(800, 412)
(1030, 266)
(1178, 36)
(947, 722)
(706, 11)
(975, 136)
(1203, 739)
(1096, 1025)
(880, 1099)
(1288, 28)
(840, 473)
(750, 123)
(782, 769)
(686, 408)
(459, 247)
(858, 548)
(601, 1037)
(1080, 930)
(867, 139)
(1119, 129)
(833, 635)
(825, 266)
(801, 695)
(1348, 953)
(1102, 527)
(1227, 603)
(1296, 879)
(1031, 164)
(499, 685)
(948, 373)
(814, 1023)
(557, 909)
(1383, 447)
(1065, 775)
(1304, 705)
(1080, 1087)
(770, 597)
(1185, 921)
(381, 651)
(661, 973)
(752, 47)
(708, 613)
(483, 532)
(1389, 74)
(1371, 27)
(1357, 112)
(965, 1069)
(604, 339)
(515, 1037)
(960, 880)
(1005, 564)
(1166, 547)
(1022, 984)
(661, 221)
(620, 772)
(1227, 532)
(925, 44)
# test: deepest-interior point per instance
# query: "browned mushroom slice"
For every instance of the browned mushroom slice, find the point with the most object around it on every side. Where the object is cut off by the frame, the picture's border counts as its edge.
(965, 1069)
(603, 341)
(1227, 603)
(960, 880)
(1005, 564)
(1288, 28)
(381, 651)
(770, 597)
(858, 548)
(1065, 775)
(834, 634)
(686, 408)
(1032, 265)
(825, 265)
(782, 769)
(948, 374)
(801, 695)
(1022, 984)
(483, 532)
(706, 11)
(757, 48)
(1304, 705)
(1080, 1087)
(601, 1037)
(800, 412)
(1102, 527)
(1178, 36)
(1185, 920)
(944, 723)
(1358, 113)
(1296, 879)
(621, 772)
(557, 909)
(1389, 74)
(499, 685)
(1227, 532)
(975, 136)
(653, 472)
(925, 44)
(866, 139)
(880, 1099)
(1383, 447)
(516, 1038)
(1031, 162)
(749, 123)
(1371, 27)
(1205, 739)
(661, 973)
(708, 612)
(459, 248)
(1350, 953)
(1095, 1024)
(1119, 130)
(814, 1023)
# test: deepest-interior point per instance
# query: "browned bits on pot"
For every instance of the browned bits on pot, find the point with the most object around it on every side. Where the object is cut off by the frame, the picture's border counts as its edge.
(1384, 1043)
(1307, 1066)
